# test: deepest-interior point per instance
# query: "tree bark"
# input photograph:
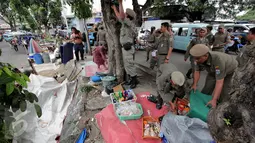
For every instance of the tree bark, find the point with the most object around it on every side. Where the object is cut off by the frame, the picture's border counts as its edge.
(240, 109)
(112, 27)
(139, 13)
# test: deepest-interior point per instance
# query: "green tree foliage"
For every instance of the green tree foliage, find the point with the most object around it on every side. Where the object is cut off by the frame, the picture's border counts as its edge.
(38, 12)
(81, 8)
(13, 97)
(250, 15)
(6, 14)
(203, 9)
(22, 9)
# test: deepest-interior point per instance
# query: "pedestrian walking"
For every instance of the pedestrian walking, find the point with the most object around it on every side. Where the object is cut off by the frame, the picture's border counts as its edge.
(128, 34)
(220, 68)
(247, 51)
(201, 39)
(220, 39)
(76, 37)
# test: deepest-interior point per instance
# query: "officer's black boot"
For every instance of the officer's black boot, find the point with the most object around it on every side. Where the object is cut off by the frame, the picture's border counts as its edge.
(134, 82)
(129, 80)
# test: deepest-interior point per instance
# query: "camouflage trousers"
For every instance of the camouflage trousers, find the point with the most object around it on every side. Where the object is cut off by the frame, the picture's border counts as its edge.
(210, 85)
(129, 63)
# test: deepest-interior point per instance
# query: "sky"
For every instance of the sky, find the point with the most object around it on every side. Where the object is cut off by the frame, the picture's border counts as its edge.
(126, 4)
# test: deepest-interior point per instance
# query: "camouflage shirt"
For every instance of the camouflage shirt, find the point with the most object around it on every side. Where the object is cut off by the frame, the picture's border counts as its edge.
(247, 52)
(128, 31)
(193, 43)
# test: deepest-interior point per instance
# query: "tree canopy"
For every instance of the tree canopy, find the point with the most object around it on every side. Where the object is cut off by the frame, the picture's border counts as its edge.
(250, 15)
(81, 8)
(33, 12)
(6, 14)
(203, 9)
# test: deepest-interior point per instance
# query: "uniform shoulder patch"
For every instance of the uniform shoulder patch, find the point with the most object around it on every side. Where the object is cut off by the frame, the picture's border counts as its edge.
(217, 70)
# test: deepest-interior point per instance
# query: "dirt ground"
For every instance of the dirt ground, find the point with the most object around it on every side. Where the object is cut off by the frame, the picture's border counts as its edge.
(82, 110)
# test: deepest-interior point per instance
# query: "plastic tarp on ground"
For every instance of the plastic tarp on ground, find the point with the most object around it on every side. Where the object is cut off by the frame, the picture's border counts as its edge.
(113, 131)
(182, 129)
(54, 99)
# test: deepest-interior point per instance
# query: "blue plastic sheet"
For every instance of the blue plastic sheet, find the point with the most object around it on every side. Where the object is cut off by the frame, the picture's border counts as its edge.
(82, 136)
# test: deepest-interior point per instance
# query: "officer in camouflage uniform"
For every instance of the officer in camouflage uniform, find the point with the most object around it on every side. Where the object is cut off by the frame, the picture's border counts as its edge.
(128, 33)
(220, 68)
(199, 40)
(164, 45)
(169, 79)
(101, 36)
(248, 51)
(209, 35)
(220, 39)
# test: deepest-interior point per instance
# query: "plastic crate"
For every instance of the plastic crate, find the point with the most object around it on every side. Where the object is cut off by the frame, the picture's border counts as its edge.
(132, 117)
(132, 92)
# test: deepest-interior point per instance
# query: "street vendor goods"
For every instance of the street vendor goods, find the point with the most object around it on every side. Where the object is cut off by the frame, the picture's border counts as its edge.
(128, 110)
(126, 95)
(182, 106)
(151, 128)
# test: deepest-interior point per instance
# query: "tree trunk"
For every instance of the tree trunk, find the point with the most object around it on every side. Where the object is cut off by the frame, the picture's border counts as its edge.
(139, 13)
(240, 109)
(112, 27)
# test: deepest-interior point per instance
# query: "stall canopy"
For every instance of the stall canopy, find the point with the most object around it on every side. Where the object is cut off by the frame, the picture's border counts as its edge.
(34, 47)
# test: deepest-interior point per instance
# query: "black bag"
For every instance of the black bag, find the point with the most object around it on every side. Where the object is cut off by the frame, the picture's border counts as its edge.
(128, 46)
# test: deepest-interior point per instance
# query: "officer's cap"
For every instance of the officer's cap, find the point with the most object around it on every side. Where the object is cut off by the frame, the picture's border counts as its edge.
(178, 78)
(203, 29)
(199, 50)
(130, 12)
(221, 26)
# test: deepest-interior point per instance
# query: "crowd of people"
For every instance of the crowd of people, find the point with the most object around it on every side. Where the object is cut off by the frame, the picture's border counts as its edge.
(206, 52)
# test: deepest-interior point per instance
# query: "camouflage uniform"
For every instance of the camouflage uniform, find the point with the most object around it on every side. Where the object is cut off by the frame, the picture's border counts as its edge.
(209, 37)
(128, 33)
(164, 42)
(187, 54)
(219, 66)
(150, 47)
(246, 53)
(101, 37)
(164, 86)
(218, 39)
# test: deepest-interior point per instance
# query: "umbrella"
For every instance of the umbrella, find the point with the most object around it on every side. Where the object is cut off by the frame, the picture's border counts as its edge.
(34, 47)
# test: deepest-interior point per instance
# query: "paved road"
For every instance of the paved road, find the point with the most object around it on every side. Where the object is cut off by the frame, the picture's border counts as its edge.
(177, 58)
(9, 55)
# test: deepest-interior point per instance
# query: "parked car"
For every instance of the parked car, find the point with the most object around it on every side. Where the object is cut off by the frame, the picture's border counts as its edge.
(184, 33)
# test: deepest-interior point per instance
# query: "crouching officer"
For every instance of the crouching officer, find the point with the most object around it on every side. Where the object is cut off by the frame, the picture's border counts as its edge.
(220, 68)
(170, 83)
(128, 33)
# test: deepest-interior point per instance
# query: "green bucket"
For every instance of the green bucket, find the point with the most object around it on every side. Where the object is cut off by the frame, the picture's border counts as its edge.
(198, 108)
(107, 80)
